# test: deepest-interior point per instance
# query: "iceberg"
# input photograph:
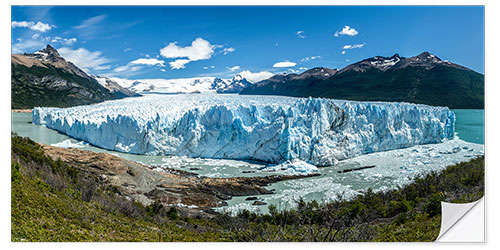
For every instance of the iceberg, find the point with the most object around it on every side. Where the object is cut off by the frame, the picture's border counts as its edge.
(271, 129)
(69, 144)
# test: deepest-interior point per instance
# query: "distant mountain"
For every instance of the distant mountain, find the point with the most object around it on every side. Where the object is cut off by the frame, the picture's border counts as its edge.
(44, 78)
(420, 79)
(234, 85)
(187, 85)
(114, 87)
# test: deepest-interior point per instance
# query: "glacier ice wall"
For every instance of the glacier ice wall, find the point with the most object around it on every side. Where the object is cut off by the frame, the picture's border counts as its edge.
(264, 128)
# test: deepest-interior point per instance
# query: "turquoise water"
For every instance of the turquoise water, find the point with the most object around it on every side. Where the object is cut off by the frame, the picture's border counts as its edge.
(469, 125)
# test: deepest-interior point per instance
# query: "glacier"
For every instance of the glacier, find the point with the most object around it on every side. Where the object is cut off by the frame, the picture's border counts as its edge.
(271, 129)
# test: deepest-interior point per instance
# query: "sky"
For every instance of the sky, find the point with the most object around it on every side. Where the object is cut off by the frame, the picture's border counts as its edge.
(169, 42)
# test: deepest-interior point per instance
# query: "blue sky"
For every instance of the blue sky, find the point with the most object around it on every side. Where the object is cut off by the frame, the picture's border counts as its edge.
(176, 42)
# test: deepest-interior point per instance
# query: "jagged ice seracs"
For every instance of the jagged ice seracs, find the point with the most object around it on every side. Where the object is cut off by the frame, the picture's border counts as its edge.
(271, 129)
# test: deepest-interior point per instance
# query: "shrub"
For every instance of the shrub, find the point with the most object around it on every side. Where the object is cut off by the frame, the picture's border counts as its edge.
(172, 213)
(433, 206)
(397, 207)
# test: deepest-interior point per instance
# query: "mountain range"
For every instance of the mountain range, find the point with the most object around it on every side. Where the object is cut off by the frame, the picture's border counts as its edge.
(187, 85)
(44, 78)
(424, 78)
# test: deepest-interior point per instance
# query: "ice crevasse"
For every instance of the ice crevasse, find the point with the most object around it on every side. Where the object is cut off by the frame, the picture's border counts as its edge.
(264, 128)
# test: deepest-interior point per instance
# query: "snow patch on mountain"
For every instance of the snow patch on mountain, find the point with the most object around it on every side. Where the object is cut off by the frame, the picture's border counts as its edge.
(186, 85)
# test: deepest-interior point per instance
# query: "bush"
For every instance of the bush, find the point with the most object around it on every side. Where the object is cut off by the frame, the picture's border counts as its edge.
(397, 207)
(433, 206)
(15, 175)
(172, 213)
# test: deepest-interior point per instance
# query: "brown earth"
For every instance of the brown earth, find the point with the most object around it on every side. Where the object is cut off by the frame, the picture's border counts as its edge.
(144, 184)
(21, 110)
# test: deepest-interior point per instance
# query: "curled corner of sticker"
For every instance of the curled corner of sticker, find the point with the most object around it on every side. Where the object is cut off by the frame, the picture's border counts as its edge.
(462, 222)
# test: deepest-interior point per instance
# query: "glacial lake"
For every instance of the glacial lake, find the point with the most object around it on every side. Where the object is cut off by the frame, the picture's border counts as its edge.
(394, 168)
(469, 125)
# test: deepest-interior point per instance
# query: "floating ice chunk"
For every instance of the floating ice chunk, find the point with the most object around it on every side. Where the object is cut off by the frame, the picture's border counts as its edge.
(69, 144)
(292, 167)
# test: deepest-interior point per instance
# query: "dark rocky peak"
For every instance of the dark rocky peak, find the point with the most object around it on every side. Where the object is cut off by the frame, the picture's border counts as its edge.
(383, 62)
(218, 83)
(218, 80)
(425, 60)
(135, 83)
(50, 56)
(238, 77)
(377, 62)
(47, 54)
(50, 50)
(426, 57)
(240, 80)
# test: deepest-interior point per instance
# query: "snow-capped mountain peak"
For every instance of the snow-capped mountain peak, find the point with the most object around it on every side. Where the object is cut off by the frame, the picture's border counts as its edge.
(50, 56)
(384, 63)
(424, 59)
(237, 77)
(46, 54)
(188, 85)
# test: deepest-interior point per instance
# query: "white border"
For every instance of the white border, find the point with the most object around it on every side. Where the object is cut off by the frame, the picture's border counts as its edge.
(492, 56)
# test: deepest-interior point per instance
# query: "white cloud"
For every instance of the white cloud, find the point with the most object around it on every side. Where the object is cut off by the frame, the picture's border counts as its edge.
(212, 67)
(91, 22)
(64, 41)
(121, 68)
(56, 39)
(127, 50)
(284, 64)
(302, 68)
(255, 77)
(301, 34)
(162, 70)
(233, 68)
(39, 26)
(132, 67)
(27, 46)
(347, 30)
(200, 49)
(89, 28)
(228, 50)
(84, 59)
(127, 68)
(179, 63)
(205, 67)
(148, 61)
(306, 59)
(355, 46)
(293, 71)
(343, 52)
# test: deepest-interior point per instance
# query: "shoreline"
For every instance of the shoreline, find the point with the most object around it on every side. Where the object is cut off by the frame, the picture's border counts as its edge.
(21, 110)
(193, 194)
(109, 181)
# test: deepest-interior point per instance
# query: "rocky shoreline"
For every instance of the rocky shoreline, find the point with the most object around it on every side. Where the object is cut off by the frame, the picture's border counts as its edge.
(21, 110)
(191, 194)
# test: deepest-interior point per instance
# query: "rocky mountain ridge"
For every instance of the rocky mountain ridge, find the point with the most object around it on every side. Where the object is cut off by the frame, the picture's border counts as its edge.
(424, 78)
(45, 78)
